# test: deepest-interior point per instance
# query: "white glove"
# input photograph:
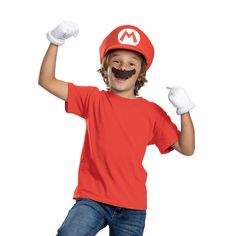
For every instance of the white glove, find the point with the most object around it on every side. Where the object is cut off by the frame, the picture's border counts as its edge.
(63, 31)
(180, 100)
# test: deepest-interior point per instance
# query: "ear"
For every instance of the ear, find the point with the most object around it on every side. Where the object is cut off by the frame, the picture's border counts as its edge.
(105, 79)
(105, 74)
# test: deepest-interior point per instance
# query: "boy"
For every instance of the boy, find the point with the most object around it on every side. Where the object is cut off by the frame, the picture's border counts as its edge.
(119, 126)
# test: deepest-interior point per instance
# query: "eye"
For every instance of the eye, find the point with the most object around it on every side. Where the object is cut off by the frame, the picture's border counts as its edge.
(131, 64)
(116, 61)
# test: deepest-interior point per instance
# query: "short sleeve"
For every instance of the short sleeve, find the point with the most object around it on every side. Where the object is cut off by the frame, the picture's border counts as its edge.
(165, 135)
(78, 99)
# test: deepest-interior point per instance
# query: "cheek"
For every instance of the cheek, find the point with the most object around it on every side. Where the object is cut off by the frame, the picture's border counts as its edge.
(139, 72)
(136, 75)
(109, 76)
(108, 72)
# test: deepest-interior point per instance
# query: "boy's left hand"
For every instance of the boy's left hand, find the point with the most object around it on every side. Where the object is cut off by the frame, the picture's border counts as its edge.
(180, 100)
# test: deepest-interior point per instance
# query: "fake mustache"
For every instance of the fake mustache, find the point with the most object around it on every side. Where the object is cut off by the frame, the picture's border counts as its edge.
(123, 73)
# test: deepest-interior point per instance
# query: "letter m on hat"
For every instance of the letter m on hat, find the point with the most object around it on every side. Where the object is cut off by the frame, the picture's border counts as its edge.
(129, 36)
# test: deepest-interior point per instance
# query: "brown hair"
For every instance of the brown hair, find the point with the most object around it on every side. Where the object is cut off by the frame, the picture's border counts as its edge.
(140, 81)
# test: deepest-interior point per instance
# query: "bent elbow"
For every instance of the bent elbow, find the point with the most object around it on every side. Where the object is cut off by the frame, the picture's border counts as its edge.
(39, 83)
(188, 153)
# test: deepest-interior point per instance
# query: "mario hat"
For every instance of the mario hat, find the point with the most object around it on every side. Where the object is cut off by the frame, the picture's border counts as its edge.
(131, 38)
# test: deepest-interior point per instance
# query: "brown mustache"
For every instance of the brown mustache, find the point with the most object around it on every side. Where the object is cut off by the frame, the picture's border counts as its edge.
(123, 73)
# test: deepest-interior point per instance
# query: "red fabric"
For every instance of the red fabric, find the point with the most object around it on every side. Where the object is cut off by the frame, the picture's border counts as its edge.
(118, 131)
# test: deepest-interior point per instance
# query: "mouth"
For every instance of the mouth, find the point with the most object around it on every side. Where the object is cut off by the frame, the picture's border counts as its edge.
(121, 78)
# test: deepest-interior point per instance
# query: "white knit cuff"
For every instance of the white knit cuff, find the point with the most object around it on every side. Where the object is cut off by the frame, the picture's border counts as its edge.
(54, 40)
(182, 110)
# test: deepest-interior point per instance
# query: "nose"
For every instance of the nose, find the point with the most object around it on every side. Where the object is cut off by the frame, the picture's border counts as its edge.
(122, 66)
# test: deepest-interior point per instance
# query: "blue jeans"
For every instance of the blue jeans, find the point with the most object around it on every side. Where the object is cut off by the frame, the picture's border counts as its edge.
(87, 217)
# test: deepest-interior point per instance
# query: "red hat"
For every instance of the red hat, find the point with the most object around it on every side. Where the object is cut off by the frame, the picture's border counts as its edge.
(131, 38)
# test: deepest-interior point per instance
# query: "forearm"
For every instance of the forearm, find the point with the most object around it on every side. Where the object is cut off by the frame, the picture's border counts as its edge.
(187, 136)
(48, 67)
(47, 78)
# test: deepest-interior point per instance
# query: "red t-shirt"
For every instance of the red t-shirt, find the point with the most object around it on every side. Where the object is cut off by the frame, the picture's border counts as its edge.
(118, 131)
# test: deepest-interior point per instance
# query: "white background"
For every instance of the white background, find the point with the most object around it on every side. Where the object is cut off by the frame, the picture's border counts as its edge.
(40, 144)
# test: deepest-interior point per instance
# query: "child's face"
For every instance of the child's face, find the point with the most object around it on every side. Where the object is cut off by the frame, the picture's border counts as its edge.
(123, 71)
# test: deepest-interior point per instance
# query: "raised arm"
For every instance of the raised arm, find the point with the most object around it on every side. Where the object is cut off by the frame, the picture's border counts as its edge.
(47, 77)
(179, 98)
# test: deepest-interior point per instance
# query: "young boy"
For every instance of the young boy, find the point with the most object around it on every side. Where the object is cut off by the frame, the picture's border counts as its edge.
(119, 126)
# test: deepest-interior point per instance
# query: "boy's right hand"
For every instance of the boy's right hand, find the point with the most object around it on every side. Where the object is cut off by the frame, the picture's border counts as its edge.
(63, 31)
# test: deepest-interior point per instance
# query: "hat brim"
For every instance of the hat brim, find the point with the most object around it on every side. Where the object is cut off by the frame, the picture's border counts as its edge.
(125, 47)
